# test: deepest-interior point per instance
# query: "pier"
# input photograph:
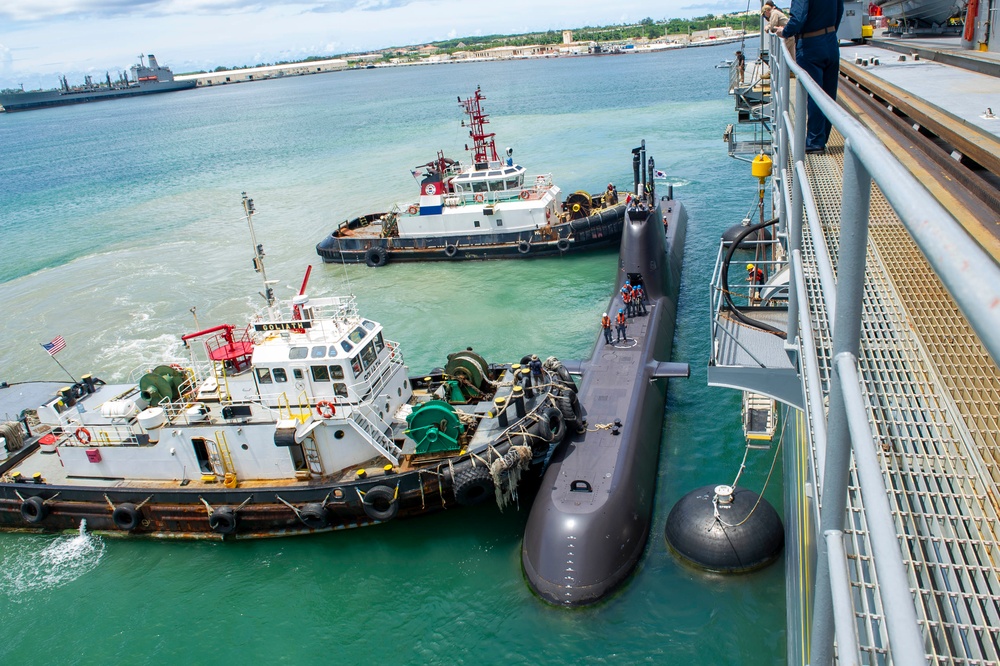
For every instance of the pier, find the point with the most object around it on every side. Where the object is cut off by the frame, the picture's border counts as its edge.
(884, 357)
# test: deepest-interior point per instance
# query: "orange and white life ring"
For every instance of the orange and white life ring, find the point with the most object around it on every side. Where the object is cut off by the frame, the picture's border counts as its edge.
(525, 194)
(480, 198)
(325, 409)
(82, 435)
(412, 210)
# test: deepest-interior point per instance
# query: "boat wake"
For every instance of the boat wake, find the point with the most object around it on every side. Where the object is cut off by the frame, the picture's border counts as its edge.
(27, 567)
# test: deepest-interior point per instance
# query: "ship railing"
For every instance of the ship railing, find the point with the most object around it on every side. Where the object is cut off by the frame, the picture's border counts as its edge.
(969, 274)
(745, 296)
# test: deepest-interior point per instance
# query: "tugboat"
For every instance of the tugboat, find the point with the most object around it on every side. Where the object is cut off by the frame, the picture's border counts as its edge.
(491, 209)
(303, 421)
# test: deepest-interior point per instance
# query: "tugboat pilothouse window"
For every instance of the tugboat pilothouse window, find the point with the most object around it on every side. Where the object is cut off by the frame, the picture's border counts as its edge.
(337, 372)
(356, 366)
(370, 325)
(368, 354)
(347, 346)
(379, 343)
(320, 373)
(318, 352)
(296, 353)
(340, 389)
(280, 375)
(357, 335)
(264, 376)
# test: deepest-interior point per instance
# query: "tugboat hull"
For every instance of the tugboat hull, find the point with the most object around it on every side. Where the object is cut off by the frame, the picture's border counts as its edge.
(599, 230)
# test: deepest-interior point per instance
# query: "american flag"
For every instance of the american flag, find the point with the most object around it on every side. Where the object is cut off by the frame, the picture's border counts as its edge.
(56, 346)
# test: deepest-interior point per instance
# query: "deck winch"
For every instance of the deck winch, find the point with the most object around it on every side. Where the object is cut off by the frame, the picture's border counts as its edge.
(163, 384)
(435, 427)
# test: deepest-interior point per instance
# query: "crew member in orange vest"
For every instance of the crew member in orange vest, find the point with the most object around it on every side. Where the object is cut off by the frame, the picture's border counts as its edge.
(606, 326)
(622, 322)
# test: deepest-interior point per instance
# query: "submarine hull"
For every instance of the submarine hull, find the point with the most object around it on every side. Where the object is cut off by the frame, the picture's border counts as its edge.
(590, 520)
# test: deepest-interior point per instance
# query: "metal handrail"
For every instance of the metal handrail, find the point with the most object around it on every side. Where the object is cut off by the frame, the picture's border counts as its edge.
(956, 259)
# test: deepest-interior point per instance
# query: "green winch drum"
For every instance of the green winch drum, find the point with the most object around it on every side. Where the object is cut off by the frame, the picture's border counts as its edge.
(435, 427)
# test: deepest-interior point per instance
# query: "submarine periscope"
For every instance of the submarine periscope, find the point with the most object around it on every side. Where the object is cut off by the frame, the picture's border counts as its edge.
(590, 520)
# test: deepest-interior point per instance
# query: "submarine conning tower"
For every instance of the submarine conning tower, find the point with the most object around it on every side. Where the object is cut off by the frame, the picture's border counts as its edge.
(590, 520)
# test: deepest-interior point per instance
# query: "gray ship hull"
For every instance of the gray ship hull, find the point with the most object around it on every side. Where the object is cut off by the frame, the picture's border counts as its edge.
(26, 101)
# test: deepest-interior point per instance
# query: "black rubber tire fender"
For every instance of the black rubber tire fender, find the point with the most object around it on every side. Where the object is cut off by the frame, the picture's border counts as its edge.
(314, 516)
(33, 510)
(223, 520)
(562, 244)
(450, 250)
(376, 256)
(472, 485)
(524, 247)
(553, 418)
(380, 503)
(126, 517)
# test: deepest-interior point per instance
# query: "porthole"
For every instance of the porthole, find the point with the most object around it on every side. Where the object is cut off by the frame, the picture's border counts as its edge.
(244, 447)
(339, 434)
(399, 392)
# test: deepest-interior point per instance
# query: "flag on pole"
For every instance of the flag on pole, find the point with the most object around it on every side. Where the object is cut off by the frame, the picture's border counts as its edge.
(56, 346)
(659, 174)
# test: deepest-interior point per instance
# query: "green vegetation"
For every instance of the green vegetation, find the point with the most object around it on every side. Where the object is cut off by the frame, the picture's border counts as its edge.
(647, 28)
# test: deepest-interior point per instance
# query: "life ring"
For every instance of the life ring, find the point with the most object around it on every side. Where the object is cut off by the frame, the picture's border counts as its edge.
(412, 210)
(524, 247)
(33, 510)
(380, 503)
(473, 485)
(314, 516)
(223, 520)
(480, 198)
(562, 244)
(450, 249)
(82, 435)
(376, 256)
(525, 194)
(326, 409)
(126, 517)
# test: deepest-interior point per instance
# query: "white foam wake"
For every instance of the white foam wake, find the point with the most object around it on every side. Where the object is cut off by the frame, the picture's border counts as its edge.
(44, 563)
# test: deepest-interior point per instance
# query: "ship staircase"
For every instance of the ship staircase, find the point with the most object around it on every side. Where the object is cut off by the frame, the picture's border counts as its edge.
(221, 458)
(366, 424)
(750, 135)
(891, 455)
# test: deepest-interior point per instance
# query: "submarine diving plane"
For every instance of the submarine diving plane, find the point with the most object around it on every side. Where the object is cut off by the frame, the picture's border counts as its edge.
(590, 520)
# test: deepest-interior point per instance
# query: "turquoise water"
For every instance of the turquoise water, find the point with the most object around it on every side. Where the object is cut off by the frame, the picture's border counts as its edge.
(118, 218)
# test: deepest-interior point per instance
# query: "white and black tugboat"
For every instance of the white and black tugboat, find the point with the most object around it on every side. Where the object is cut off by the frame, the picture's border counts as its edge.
(302, 421)
(491, 209)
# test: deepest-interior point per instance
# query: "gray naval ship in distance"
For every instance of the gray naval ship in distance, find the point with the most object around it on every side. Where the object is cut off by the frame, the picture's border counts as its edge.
(590, 520)
(145, 80)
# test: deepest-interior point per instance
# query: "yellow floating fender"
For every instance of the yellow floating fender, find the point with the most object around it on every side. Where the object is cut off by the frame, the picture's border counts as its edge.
(761, 166)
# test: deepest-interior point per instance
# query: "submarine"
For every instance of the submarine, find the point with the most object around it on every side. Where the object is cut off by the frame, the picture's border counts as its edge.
(590, 520)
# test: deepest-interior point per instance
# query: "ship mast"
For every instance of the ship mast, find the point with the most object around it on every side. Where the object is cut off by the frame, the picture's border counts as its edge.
(258, 252)
(484, 150)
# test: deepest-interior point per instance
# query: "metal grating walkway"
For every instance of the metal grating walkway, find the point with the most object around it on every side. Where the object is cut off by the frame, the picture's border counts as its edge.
(934, 396)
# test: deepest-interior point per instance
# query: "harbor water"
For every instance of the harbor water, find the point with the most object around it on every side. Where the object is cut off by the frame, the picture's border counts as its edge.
(118, 219)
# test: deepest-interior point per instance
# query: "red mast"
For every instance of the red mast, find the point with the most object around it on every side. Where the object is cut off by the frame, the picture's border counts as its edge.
(483, 147)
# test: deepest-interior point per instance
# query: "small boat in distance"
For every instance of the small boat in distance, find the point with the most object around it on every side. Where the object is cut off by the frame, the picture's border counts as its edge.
(303, 421)
(146, 80)
(491, 209)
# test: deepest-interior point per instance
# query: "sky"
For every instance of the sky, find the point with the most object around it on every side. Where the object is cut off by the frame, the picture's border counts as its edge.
(43, 39)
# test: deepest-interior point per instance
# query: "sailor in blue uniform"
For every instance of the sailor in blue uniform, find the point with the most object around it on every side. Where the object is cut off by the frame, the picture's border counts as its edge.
(817, 51)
